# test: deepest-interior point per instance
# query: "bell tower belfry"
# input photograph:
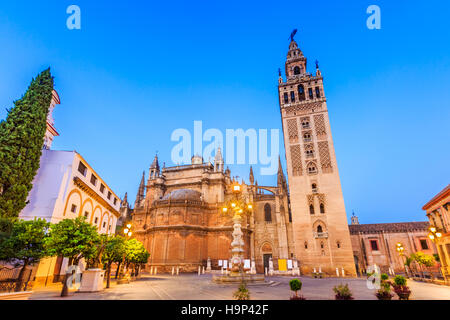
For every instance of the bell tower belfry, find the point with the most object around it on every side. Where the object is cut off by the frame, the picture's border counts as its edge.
(319, 221)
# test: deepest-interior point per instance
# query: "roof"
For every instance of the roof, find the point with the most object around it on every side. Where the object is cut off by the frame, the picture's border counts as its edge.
(388, 227)
(441, 195)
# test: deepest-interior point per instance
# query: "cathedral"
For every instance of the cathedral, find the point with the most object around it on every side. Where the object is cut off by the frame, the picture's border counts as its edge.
(178, 216)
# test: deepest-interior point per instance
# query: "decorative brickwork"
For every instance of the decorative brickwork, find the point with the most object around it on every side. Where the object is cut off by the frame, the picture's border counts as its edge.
(292, 130)
(303, 108)
(319, 122)
(296, 158)
(325, 160)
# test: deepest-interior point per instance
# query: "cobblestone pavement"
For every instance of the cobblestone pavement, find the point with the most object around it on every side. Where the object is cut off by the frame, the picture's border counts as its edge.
(194, 287)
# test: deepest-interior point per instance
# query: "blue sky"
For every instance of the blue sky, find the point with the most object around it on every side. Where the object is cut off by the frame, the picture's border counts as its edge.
(137, 70)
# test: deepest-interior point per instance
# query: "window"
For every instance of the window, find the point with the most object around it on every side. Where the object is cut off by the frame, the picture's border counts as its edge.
(109, 195)
(296, 70)
(96, 220)
(301, 92)
(305, 124)
(309, 153)
(102, 188)
(109, 229)
(322, 208)
(267, 213)
(317, 92)
(374, 245)
(286, 98)
(82, 168)
(115, 200)
(319, 229)
(424, 244)
(73, 208)
(93, 180)
(104, 224)
(311, 209)
(312, 168)
(311, 96)
(314, 187)
(306, 245)
(292, 96)
(338, 244)
(307, 137)
(86, 214)
(321, 246)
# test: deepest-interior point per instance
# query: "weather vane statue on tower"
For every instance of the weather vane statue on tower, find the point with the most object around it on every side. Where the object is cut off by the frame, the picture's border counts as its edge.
(293, 33)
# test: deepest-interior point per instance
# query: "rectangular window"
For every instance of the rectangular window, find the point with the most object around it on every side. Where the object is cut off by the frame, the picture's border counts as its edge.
(424, 244)
(317, 92)
(374, 245)
(82, 168)
(93, 180)
(86, 214)
(311, 96)
(102, 188)
(286, 98)
(104, 224)
(109, 195)
(292, 96)
(96, 220)
(74, 208)
(115, 200)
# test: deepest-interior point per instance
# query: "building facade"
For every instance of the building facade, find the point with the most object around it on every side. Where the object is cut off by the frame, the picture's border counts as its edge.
(319, 221)
(178, 216)
(438, 213)
(376, 244)
(67, 187)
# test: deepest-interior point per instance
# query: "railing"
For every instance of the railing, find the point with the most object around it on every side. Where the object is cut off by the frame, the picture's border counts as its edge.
(9, 281)
(320, 235)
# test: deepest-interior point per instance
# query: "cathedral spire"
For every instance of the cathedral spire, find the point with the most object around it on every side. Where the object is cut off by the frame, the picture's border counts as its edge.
(141, 191)
(218, 161)
(251, 177)
(154, 168)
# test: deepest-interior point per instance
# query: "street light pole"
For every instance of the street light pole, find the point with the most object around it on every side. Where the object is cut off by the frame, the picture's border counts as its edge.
(400, 250)
(127, 233)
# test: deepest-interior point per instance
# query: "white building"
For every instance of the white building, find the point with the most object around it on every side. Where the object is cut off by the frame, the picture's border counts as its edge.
(67, 187)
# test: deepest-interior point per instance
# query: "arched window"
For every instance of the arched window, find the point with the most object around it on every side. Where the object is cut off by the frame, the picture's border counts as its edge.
(296, 70)
(310, 153)
(306, 245)
(307, 137)
(301, 92)
(314, 187)
(319, 229)
(322, 208)
(311, 209)
(310, 92)
(292, 96)
(312, 168)
(286, 98)
(267, 213)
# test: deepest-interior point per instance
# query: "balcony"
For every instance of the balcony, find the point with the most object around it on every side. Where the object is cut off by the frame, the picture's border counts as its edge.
(321, 235)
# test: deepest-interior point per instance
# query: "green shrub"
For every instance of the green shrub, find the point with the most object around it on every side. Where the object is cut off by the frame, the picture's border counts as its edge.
(295, 284)
(343, 292)
(384, 277)
(242, 293)
(400, 281)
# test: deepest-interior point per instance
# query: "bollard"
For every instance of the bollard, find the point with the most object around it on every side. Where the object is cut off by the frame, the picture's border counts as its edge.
(343, 272)
(151, 271)
(156, 270)
(199, 270)
(337, 272)
(173, 270)
(266, 271)
(178, 270)
(203, 270)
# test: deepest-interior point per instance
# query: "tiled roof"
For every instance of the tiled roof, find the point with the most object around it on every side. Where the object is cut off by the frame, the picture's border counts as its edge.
(388, 227)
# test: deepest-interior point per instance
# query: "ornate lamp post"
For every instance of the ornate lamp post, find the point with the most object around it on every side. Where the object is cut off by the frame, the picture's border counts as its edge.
(434, 234)
(400, 250)
(123, 278)
(238, 207)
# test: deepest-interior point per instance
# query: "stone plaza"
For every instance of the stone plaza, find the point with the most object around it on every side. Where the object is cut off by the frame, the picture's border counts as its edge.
(195, 287)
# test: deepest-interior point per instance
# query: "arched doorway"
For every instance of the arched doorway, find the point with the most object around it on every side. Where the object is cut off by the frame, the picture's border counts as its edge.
(266, 251)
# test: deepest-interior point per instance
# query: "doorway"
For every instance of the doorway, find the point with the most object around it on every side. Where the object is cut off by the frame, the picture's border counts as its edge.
(266, 258)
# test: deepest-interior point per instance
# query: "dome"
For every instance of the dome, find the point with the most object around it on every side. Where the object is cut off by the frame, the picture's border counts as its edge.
(183, 194)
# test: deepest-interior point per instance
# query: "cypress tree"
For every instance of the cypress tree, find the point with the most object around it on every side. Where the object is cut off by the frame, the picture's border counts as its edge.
(21, 143)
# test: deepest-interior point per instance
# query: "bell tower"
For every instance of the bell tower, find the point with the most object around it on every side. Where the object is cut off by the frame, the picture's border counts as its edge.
(320, 229)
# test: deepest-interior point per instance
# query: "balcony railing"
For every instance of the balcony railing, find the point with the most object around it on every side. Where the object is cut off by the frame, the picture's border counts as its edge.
(320, 235)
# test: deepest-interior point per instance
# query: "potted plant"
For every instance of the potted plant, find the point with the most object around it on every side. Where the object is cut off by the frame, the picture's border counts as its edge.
(296, 285)
(403, 292)
(384, 293)
(342, 292)
(242, 292)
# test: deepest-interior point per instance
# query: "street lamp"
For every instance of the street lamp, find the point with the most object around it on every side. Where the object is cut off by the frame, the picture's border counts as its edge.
(238, 207)
(434, 234)
(400, 250)
(124, 277)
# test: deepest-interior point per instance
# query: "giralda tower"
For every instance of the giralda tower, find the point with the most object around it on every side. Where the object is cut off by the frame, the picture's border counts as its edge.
(320, 230)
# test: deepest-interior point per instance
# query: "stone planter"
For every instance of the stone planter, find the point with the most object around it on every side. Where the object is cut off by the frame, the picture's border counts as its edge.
(92, 280)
